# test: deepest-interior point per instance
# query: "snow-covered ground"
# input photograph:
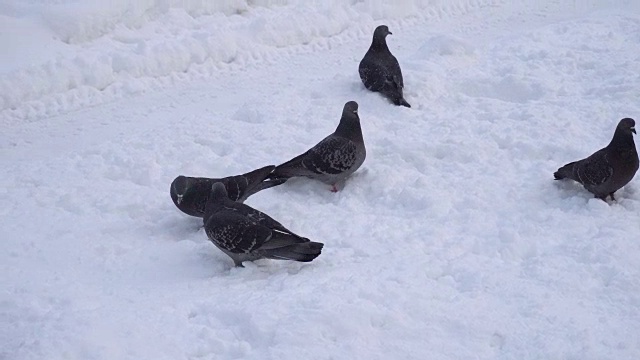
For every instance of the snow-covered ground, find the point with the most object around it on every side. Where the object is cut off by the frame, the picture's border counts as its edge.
(451, 242)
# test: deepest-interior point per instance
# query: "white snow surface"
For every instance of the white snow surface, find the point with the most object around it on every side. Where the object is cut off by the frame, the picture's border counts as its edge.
(451, 242)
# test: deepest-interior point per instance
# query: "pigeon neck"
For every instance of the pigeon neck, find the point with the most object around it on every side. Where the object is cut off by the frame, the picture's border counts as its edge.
(214, 202)
(210, 207)
(379, 44)
(622, 140)
(349, 128)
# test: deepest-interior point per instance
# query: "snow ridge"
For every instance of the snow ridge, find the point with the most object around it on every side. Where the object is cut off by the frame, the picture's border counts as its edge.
(127, 47)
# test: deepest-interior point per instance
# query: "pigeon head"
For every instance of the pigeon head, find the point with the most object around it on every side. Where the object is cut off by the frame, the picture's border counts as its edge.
(181, 186)
(623, 137)
(381, 32)
(627, 126)
(216, 199)
(350, 109)
(218, 192)
(350, 121)
(379, 42)
(350, 113)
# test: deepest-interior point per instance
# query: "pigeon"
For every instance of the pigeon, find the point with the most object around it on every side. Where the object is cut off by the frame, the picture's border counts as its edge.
(334, 158)
(608, 169)
(246, 234)
(379, 69)
(190, 194)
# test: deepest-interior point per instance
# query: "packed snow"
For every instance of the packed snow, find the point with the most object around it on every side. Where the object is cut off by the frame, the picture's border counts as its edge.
(451, 242)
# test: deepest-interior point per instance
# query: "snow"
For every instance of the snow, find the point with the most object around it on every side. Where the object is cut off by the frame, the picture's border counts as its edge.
(451, 242)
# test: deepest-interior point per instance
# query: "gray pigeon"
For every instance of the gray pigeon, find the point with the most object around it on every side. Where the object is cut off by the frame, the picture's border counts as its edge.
(608, 169)
(246, 234)
(379, 69)
(334, 158)
(190, 194)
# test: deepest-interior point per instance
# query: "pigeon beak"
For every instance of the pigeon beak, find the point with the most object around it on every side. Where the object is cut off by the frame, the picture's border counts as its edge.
(179, 199)
(633, 130)
(389, 33)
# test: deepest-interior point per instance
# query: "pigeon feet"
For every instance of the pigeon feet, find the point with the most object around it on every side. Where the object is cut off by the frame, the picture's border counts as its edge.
(334, 188)
(604, 198)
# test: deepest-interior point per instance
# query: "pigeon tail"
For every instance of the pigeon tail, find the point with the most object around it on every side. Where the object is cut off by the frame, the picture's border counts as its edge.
(402, 102)
(258, 175)
(565, 171)
(256, 182)
(303, 252)
(288, 169)
(268, 183)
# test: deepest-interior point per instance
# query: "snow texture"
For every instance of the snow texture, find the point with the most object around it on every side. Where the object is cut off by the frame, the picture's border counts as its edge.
(451, 242)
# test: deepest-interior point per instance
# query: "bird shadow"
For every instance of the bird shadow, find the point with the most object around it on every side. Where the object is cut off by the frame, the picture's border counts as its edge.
(258, 269)
(304, 186)
(572, 190)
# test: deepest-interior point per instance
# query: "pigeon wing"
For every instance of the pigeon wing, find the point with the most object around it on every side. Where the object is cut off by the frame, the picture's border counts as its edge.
(200, 194)
(257, 217)
(236, 233)
(594, 170)
(333, 155)
(236, 186)
(394, 70)
(397, 81)
(373, 74)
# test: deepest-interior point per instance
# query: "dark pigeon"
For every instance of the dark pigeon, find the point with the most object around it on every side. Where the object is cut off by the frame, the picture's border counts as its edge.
(608, 169)
(334, 158)
(379, 69)
(246, 234)
(190, 194)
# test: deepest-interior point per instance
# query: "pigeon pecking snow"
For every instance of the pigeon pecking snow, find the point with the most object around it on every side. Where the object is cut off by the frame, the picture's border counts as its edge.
(190, 194)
